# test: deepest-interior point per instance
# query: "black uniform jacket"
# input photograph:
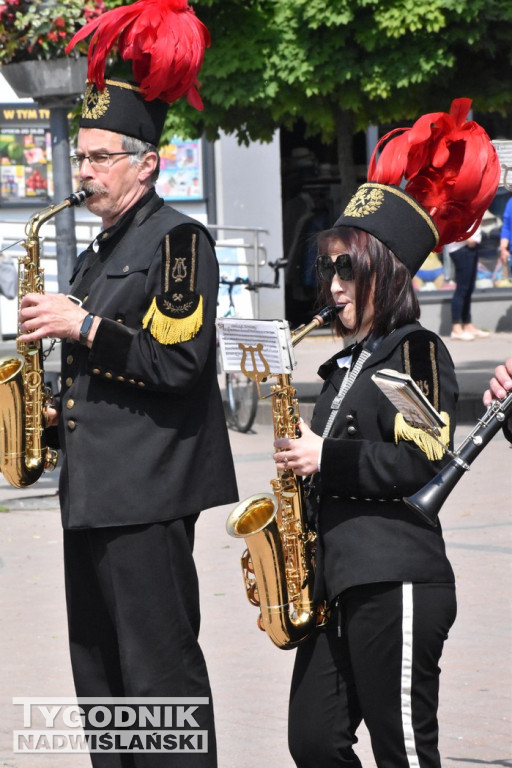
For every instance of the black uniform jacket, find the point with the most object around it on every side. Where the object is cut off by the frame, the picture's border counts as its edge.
(142, 425)
(367, 533)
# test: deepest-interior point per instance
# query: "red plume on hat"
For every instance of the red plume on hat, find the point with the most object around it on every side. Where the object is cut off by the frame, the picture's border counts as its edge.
(164, 39)
(450, 167)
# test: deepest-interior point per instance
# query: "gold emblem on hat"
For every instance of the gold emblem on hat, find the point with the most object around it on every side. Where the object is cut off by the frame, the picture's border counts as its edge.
(365, 201)
(95, 103)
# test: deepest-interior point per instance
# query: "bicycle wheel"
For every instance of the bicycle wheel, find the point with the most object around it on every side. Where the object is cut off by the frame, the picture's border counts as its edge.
(242, 401)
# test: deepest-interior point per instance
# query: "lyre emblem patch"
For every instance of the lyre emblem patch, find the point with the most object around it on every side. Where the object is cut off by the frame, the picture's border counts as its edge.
(179, 270)
(424, 386)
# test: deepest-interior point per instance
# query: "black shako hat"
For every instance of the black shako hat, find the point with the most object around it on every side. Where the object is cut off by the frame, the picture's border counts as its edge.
(121, 107)
(396, 219)
(430, 185)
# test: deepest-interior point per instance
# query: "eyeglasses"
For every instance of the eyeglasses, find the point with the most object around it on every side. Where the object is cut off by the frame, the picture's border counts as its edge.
(101, 159)
(326, 268)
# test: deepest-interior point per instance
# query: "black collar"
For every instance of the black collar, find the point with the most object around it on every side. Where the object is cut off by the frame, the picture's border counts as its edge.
(139, 212)
(370, 343)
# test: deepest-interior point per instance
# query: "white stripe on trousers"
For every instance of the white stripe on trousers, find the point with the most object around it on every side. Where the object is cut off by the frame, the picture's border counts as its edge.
(407, 643)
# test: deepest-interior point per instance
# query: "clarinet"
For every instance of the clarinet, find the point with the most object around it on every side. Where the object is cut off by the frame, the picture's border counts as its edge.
(428, 501)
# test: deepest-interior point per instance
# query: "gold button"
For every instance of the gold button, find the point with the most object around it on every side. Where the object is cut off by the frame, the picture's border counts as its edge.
(141, 383)
(119, 319)
(126, 268)
(121, 378)
(70, 403)
(70, 359)
(96, 371)
(71, 424)
(108, 375)
(132, 381)
(69, 381)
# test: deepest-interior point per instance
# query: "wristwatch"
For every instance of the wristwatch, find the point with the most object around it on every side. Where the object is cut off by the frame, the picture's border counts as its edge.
(85, 328)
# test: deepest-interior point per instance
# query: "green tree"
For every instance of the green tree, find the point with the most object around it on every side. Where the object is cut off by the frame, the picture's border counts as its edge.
(342, 64)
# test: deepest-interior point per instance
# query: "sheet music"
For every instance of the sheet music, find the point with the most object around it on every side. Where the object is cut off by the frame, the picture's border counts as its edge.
(408, 398)
(262, 341)
(503, 149)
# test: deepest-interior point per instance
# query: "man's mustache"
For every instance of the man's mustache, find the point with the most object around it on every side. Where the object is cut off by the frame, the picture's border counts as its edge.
(92, 189)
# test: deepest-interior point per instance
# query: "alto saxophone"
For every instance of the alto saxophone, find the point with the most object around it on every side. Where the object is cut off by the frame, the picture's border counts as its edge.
(278, 564)
(23, 394)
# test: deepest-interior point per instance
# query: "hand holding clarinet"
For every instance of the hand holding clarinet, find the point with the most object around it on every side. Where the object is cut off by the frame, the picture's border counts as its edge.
(500, 384)
(498, 398)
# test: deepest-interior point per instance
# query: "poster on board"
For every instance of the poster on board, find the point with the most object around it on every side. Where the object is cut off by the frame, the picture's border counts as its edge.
(25, 163)
(181, 170)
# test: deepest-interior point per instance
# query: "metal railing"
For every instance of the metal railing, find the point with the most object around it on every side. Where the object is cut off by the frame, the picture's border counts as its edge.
(229, 239)
(247, 239)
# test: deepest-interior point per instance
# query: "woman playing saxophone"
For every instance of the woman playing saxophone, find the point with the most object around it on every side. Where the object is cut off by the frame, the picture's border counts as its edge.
(381, 568)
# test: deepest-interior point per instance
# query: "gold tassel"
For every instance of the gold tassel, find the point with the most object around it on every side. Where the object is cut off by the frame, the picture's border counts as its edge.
(172, 330)
(424, 441)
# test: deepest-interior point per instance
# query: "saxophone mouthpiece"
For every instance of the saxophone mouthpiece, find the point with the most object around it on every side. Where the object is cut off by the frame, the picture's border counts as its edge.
(324, 317)
(328, 314)
(77, 198)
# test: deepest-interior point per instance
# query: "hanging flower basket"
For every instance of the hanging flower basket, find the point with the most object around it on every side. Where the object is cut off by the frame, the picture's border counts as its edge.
(44, 81)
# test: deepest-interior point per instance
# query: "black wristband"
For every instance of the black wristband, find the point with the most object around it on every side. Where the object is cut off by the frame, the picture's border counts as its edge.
(85, 328)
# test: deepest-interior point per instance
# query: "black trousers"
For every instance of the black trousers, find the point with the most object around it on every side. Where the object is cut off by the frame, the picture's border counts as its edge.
(377, 660)
(465, 261)
(133, 614)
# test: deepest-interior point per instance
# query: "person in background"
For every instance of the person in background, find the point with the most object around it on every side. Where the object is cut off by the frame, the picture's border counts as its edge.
(380, 568)
(505, 237)
(141, 420)
(464, 256)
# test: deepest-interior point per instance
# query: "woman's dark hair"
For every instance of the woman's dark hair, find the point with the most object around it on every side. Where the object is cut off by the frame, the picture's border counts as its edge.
(373, 264)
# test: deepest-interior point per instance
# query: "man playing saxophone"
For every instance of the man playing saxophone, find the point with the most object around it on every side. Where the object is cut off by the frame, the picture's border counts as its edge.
(141, 422)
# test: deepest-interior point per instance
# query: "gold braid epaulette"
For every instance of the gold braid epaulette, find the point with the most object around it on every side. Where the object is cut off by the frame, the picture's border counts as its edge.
(425, 441)
(177, 314)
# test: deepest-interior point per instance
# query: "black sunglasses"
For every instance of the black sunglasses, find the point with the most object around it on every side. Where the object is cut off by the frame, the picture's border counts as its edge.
(326, 268)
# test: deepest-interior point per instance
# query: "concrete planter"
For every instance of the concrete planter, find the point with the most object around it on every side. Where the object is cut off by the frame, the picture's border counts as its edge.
(56, 81)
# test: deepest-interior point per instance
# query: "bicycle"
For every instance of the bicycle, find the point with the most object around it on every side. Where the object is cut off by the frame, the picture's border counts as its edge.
(242, 393)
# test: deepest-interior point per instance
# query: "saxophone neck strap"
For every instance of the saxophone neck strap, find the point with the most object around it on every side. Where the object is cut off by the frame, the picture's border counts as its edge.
(368, 347)
(347, 382)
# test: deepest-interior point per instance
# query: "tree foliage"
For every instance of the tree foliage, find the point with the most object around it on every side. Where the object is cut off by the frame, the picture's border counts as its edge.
(272, 62)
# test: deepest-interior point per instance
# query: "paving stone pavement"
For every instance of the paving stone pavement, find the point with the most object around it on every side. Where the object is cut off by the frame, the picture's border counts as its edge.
(250, 677)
